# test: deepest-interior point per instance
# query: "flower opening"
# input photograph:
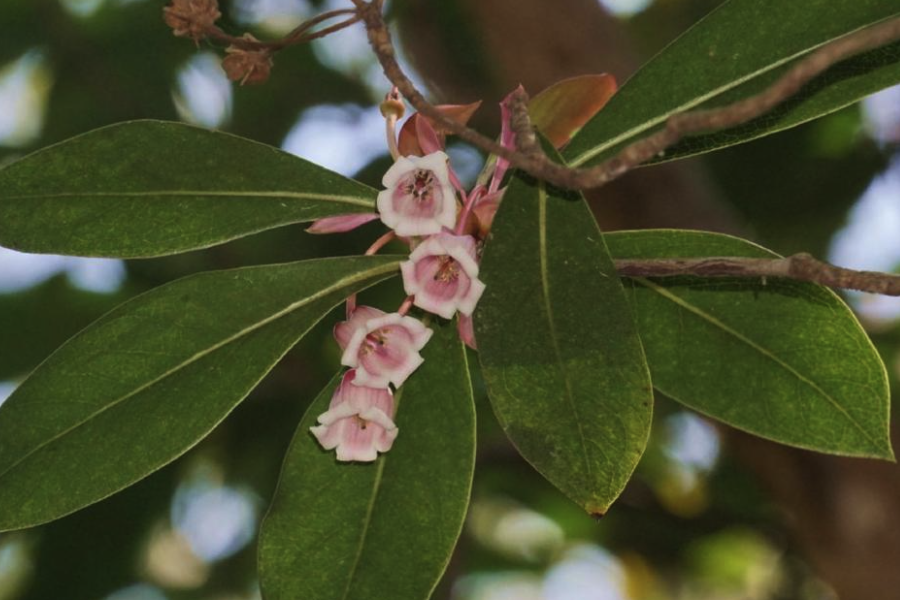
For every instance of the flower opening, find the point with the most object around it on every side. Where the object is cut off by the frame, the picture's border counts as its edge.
(385, 350)
(358, 423)
(419, 199)
(442, 274)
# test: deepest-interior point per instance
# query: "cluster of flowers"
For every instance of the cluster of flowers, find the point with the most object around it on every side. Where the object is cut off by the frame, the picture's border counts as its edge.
(425, 206)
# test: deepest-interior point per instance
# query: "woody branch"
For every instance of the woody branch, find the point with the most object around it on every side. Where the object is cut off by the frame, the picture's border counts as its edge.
(800, 267)
(528, 155)
(196, 19)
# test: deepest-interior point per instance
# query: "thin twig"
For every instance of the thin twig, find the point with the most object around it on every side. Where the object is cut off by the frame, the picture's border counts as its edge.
(529, 156)
(299, 35)
(800, 267)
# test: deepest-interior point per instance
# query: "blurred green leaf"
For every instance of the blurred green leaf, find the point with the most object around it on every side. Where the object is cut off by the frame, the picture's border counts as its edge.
(382, 530)
(736, 51)
(146, 382)
(34, 322)
(558, 346)
(156, 188)
(781, 359)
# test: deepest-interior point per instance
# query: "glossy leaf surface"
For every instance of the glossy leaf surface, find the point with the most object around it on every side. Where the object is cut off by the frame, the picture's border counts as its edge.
(558, 347)
(735, 52)
(382, 530)
(782, 359)
(150, 188)
(147, 381)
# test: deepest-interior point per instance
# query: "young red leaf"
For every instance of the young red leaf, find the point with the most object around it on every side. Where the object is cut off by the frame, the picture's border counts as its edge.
(563, 108)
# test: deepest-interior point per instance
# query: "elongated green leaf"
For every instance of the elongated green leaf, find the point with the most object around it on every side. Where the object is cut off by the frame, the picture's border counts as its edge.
(736, 51)
(150, 188)
(782, 359)
(143, 384)
(382, 530)
(558, 347)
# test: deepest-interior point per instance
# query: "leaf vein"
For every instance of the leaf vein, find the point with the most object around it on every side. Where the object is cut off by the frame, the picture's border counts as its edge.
(684, 304)
(344, 282)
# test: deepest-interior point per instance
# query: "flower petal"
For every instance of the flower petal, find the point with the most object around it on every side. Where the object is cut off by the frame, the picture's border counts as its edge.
(358, 423)
(343, 331)
(442, 275)
(419, 199)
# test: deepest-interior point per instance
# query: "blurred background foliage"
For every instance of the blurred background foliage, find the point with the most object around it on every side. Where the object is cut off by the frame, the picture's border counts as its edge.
(708, 515)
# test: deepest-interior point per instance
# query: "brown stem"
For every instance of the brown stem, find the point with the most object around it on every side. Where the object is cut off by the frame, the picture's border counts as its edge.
(299, 35)
(800, 267)
(529, 156)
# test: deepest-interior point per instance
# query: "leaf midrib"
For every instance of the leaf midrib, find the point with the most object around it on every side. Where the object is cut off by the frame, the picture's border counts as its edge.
(684, 304)
(545, 285)
(341, 199)
(698, 100)
(370, 510)
(342, 283)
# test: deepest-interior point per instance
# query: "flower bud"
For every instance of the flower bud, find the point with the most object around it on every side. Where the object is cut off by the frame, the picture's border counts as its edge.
(393, 105)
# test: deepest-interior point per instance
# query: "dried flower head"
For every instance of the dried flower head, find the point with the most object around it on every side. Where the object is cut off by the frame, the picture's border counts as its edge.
(191, 18)
(247, 66)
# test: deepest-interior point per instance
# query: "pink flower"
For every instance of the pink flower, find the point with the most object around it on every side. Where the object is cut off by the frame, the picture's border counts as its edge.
(385, 349)
(443, 276)
(358, 421)
(419, 199)
(344, 330)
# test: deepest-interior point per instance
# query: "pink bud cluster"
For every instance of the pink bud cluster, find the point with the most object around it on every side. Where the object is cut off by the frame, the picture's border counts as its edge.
(426, 207)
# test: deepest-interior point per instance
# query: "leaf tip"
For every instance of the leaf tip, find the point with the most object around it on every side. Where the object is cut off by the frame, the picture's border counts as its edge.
(597, 511)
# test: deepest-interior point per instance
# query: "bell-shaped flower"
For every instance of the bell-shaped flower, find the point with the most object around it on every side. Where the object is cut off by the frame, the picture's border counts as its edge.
(385, 350)
(344, 330)
(419, 199)
(443, 276)
(358, 421)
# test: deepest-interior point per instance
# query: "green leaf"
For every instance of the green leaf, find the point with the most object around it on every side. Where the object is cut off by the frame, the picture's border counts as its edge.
(146, 382)
(736, 51)
(558, 346)
(150, 188)
(781, 359)
(382, 530)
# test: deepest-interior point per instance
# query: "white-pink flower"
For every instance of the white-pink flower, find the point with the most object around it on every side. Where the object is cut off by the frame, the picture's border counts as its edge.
(442, 274)
(385, 349)
(358, 421)
(344, 330)
(419, 199)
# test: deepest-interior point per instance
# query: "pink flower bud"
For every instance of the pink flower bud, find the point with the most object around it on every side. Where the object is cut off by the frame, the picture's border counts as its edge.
(358, 421)
(340, 223)
(443, 276)
(419, 199)
(466, 329)
(386, 350)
